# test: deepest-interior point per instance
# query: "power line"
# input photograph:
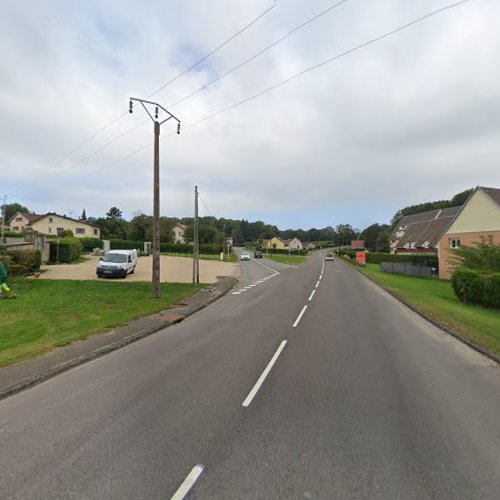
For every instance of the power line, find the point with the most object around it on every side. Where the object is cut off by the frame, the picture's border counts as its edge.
(121, 115)
(223, 44)
(265, 49)
(297, 75)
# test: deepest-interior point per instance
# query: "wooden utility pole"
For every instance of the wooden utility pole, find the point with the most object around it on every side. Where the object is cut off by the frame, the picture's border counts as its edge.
(196, 260)
(156, 184)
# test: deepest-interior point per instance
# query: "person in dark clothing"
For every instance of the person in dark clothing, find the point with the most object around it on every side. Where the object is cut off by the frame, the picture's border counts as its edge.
(4, 288)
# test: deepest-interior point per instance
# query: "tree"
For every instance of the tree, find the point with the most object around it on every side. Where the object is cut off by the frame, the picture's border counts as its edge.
(371, 235)
(114, 213)
(483, 256)
(12, 208)
(84, 215)
(382, 244)
(345, 233)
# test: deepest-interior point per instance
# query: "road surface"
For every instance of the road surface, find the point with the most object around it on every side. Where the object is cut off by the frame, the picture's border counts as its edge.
(259, 396)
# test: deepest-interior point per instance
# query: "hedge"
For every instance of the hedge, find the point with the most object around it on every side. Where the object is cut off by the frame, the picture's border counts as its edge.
(187, 248)
(415, 259)
(13, 234)
(475, 287)
(126, 245)
(88, 244)
(65, 250)
(273, 251)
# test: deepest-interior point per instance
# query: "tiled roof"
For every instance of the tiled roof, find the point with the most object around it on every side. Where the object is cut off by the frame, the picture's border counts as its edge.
(493, 193)
(425, 226)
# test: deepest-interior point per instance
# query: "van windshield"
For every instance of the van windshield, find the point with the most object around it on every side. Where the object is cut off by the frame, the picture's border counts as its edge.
(115, 257)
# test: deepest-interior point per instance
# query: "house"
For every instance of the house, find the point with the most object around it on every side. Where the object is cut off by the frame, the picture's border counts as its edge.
(477, 219)
(20, 221)
(420, 233)
(357, 244)
(179, 231)
(274, 242)
(294, 244)
(52, 224)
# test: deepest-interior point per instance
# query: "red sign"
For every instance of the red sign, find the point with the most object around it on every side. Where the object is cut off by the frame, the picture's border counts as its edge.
(361, 258)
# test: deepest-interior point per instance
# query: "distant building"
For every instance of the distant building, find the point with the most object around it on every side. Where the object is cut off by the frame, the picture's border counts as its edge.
(294, 243)
(179, 232)
(52, 224)
(420, 233)
(357, 244)
(477, 219)
(274, 242)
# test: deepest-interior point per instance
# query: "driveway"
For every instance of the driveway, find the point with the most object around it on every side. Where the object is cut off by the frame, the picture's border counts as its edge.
(172, 269)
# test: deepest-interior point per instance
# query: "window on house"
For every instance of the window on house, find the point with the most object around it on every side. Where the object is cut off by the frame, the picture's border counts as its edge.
(19, 219)
(50, 229)
(15, 228)
(426, 244)
(51, 219)
(80, 230)
(95, 232)
(407, 245)
(454, 243)
(413, 244)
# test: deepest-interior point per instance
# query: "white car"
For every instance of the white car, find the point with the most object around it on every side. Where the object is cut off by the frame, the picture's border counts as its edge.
(245, 256)
(329, 256)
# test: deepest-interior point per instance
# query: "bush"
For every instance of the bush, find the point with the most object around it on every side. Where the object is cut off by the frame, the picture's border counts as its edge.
(25, 261)
(65, 250)
(88, 244)
(13, 234)
(284, 251)
(408, 258)
(473, 287)
(126, 245)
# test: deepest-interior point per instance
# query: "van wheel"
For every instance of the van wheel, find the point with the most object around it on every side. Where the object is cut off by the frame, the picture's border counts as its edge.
(133, 270)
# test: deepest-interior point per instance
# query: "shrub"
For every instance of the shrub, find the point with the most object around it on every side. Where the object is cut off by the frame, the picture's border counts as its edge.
(13, 234)
(126, 245)
(25, 261)
(483, 256)
(65, 250)
(471, 286)
(284, 251)
(89, 244)
(67, 233)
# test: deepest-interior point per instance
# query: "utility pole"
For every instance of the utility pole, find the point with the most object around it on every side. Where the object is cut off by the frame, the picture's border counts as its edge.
(156, 183)
(223, 241)
(196, 260)
(4, 213)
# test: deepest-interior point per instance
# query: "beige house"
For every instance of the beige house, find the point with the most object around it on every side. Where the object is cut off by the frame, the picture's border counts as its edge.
(179, 230)
(294, 244)
(274, 242)
(478, 218)
(53, 224)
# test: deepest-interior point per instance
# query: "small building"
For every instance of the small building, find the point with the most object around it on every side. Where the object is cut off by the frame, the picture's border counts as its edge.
(179, 233)
(477, 219)
(420, 233)
(357, 244)
(294, 244)
(273, 243)
(53, 224)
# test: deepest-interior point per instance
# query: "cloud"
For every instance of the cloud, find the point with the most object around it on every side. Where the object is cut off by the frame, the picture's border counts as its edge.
(412, 118)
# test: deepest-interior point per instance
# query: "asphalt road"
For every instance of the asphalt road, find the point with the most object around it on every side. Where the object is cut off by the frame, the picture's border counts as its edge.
(259, 397)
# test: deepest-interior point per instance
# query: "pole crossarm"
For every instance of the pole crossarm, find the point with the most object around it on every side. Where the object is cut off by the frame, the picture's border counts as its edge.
(157, 106)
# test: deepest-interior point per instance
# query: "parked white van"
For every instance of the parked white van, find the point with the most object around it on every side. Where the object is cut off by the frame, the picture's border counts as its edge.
(117, 263)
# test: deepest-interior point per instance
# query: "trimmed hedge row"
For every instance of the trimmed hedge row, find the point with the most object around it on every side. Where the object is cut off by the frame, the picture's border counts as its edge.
(187, 248)
(475, 287)
(284, 251)
(88, 244)
(64, 250)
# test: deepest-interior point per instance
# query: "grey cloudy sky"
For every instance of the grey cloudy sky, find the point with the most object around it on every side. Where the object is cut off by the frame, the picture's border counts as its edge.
(412, 118)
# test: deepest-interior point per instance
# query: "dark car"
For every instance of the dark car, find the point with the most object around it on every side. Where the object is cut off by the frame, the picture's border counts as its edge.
(257, 254)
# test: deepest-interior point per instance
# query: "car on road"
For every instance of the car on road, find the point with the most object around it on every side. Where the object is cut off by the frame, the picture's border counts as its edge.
(117, 263)
(329, 256)
(245, 256)
(257, 254)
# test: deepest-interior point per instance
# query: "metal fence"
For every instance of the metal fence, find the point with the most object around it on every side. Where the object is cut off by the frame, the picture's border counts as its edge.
(407, 269)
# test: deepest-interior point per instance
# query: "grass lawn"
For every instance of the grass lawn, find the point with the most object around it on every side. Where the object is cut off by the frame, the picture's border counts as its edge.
(437, 300)
(285, 259)
(52, 313)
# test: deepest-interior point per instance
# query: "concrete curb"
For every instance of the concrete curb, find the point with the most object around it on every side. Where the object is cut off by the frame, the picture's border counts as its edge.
(436, 323)
(223, 286)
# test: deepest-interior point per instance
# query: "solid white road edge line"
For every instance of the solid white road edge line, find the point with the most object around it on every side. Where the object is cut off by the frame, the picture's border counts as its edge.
(265, 373)
(188, 483)
(299, 317)
(312, 295)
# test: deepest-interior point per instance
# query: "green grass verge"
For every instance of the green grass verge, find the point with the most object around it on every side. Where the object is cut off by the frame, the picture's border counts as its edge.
(437, 300)
(294, 260)
(52, 313)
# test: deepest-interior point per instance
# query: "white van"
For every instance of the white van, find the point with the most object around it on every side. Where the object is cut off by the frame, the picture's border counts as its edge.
(117, 263)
